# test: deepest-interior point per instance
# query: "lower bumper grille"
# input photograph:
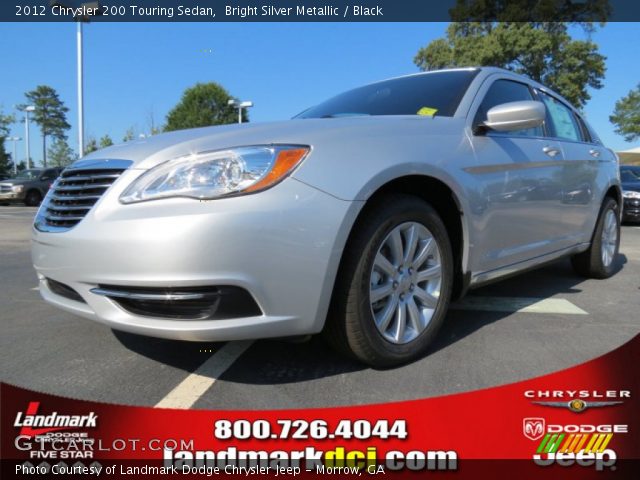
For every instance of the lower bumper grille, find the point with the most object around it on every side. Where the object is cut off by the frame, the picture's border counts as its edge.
(183, 303)
(64, 291)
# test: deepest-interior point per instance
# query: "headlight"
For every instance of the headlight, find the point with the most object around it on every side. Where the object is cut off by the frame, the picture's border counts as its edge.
(631, 194)
(17, 188)
(210, 175)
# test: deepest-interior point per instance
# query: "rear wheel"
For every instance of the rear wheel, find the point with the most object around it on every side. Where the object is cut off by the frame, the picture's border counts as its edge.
(33, 198)
(599, 260)
(394, 285)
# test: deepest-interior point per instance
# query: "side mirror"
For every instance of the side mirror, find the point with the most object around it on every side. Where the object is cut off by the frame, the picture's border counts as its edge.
(511, 116)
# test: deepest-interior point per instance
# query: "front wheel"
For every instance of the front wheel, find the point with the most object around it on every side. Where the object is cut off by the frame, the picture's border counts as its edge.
(394, 284)
(599, 260)
(33, 198)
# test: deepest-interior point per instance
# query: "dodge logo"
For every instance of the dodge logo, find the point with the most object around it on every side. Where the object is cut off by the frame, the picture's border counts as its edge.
(533, 428)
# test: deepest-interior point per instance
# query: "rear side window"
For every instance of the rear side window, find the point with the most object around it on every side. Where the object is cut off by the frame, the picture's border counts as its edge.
(505, 91)
(563, 123)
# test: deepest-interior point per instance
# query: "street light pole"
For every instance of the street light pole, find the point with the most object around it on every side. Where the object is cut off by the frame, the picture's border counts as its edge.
(80, 90)
(88, 7)
(27, 109)
(15, 141)
(239, 105)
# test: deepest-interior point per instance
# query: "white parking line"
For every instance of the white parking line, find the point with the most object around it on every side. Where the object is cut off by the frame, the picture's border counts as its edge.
(197, 383)
(519, 304)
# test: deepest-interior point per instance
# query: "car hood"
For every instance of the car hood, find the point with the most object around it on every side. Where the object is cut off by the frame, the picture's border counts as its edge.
(632, 186)
(149, 152)
(15, 181)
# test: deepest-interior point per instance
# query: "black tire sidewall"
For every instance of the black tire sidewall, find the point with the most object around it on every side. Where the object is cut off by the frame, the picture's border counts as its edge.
(380, 224)
(33, 198)
(596, 254)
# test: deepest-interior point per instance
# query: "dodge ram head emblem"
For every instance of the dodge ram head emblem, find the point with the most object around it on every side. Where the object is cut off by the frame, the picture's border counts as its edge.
(533, 428)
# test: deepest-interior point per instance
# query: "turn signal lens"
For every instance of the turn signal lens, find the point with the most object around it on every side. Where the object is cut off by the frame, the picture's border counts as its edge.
(286, 161)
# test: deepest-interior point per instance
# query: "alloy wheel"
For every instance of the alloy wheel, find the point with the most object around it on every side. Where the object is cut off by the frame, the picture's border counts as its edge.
(609, 238)
(405, 282)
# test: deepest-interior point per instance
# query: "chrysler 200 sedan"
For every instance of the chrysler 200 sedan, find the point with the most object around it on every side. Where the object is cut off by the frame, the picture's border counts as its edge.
(360, 218)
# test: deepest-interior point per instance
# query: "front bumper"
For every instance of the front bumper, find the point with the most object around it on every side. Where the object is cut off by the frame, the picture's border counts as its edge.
(11, 197)
(631, 210)
(283, 246)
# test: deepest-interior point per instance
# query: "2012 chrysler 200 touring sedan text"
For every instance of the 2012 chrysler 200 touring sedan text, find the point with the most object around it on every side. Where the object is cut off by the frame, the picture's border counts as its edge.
(362, 217)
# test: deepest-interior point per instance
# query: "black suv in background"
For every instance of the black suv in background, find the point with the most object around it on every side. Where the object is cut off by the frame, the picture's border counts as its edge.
(630, 178)
(29, 186)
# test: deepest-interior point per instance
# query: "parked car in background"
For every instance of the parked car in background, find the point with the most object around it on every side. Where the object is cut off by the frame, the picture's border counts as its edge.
(362, 217)
(630, 178)
(29, 186)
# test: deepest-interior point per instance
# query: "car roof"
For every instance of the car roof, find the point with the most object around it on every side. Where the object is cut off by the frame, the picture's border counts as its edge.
(489, 71)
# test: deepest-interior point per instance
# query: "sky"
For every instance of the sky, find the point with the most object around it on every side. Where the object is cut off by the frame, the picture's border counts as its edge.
(136, 72)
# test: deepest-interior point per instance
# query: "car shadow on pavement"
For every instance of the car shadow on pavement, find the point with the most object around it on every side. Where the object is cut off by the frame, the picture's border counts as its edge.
(272, 362)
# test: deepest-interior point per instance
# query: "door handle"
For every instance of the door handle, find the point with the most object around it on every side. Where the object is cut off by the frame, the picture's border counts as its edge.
(594, 153)
(551, 151)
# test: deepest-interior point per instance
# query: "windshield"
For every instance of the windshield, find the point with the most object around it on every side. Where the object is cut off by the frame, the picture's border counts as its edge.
(436, 93)
(31, 174)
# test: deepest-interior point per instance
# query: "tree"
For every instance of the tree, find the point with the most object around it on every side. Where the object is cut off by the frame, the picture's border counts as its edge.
(203, 105)
(50, 114)
(60, 153)
(129, 135)
(91, 146)
(626, 115)
(543, 51)
(5, 164)
(106, 141)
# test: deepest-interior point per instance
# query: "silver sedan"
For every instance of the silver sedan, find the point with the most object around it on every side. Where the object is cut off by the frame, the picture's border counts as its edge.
(361, 218)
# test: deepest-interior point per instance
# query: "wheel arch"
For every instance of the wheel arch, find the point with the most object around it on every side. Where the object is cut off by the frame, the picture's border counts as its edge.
(447, 204)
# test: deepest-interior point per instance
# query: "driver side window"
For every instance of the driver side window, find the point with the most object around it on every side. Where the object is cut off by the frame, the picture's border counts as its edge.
(504, 91)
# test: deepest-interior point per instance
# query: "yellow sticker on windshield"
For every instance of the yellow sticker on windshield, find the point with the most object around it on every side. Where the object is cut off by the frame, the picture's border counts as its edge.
(427, 112)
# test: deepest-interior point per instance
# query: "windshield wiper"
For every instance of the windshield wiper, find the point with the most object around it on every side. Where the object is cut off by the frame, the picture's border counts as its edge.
(346, 114)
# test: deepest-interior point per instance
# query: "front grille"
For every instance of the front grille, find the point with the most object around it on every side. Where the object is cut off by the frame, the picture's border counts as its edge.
(183, 303)
(73, 195)
(5, 188)
(64, 291)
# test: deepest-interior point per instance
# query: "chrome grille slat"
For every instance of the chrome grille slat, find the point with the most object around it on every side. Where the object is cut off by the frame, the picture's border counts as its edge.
(68, 208)
(84, 178)
(74, 194)
(74, 188)
(65, 218)
(66, 198)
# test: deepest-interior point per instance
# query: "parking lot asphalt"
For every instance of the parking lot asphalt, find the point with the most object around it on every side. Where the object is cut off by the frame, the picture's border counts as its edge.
(526, 326)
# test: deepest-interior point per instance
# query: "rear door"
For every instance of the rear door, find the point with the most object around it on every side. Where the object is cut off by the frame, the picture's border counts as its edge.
(579, 176)
(519, 183)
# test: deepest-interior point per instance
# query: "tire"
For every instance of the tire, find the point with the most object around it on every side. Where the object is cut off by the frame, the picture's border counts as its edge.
(361, 328)
(33, 198)
(599, 260)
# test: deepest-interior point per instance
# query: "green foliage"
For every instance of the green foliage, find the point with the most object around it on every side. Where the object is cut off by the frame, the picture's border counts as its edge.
(91, 146)
(129, 135)
(584, 12)
(203, 105)
(106, 141)
(50, 114)
(60, 153)
(544, 52)
(626, 115)
(6, 164)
